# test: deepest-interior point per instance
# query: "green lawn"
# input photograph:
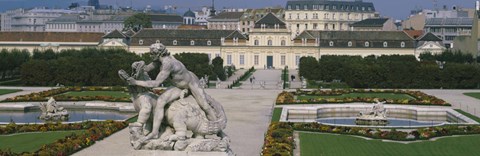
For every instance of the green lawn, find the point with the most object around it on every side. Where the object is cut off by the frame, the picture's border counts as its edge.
(474, 95)
(362, 95)
(277, 112)
(8, 91)
(114, 94)
(344, 145)
(31, 142)
(473, 117)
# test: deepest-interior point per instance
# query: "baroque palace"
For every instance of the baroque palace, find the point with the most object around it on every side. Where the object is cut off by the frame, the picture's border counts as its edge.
(271, 42)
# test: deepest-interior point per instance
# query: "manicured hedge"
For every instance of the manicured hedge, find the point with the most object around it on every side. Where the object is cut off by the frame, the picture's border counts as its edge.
(421, 98)
(94, 131)
(57, 94)
(392, 72)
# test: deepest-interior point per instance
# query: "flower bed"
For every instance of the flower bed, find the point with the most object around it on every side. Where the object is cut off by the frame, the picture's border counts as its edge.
(58, 94)
(94, 131)
(421, 98)
(278, 142)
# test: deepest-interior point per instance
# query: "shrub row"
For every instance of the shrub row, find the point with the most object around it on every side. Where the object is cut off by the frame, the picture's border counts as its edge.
(94, 131)
(420, 97)
(57, 94)
(390, 72)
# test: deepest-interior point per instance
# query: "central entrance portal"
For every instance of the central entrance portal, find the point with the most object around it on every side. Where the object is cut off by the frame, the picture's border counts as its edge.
(269, 62)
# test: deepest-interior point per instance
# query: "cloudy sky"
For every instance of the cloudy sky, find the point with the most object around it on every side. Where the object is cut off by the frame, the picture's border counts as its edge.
(398, 9)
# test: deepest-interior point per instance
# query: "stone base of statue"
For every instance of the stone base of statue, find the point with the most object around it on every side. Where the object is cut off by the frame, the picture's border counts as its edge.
(371, 120)
(376, 116)
(52, 112)
(204, 136)
(57, 116)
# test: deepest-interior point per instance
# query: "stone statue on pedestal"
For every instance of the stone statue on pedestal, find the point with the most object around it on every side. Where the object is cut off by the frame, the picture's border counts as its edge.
(165, 121)
(376, 116)
(50, 111)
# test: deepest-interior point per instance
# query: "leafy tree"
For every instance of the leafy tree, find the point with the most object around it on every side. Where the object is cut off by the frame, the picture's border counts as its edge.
(137, 22)
(218, 70)
(195, 62)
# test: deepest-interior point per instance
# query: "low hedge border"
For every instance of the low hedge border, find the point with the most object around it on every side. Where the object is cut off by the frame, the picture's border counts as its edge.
(70, 144)
(279, 138)
(288, 98)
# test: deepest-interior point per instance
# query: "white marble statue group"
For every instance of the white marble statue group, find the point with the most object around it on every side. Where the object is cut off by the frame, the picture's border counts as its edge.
(183, 118)
(52, 112)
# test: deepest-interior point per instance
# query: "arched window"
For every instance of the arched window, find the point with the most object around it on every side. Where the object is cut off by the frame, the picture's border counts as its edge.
(140, 42)
(270, 42)
(283, 43)
(385, 44)
(350, 43)
(209, 42)
(331, 43)
(402, 44)
(192, 42)
(367, 44)
(175, 42)
(256, 42)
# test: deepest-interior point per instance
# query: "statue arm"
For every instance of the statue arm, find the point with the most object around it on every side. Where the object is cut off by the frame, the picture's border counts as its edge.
(150, 67)
(161, 77)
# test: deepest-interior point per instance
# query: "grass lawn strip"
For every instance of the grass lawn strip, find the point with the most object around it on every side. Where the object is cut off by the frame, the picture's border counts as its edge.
(31, 142)
(277, 112)
(343, 145)
(473, 117)
(114, 94)
(361, 95)
(8, 91)
(474, 95)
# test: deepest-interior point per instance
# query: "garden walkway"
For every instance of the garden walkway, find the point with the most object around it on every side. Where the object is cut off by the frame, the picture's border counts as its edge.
(270, 77)
(458, 100)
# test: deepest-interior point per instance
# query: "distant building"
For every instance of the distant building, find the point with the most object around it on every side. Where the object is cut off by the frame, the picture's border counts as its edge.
(189, 18)
(49, 40)
(418, 17)
(166, 21)
(374, 24)
(449, 28)
(251, 16)
(301, 15)
(31, 20)
(107, 24)
(202, 16)
(225, 21)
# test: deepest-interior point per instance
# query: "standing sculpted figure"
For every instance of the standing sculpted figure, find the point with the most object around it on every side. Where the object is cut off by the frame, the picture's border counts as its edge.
(181, 78)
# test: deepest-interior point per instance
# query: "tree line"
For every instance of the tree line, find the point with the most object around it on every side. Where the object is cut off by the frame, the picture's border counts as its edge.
(393, 71)
(90, 67)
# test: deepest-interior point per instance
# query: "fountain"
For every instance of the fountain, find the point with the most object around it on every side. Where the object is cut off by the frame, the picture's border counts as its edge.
(52, 112)
(376, 116)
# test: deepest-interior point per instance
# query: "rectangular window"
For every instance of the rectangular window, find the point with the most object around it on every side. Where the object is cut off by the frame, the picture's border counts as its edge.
(255, 60)
(242, 59)
(229, 59)
(217, 55)
(282, 60)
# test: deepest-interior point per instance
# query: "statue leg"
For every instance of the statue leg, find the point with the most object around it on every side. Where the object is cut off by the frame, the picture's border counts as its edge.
(199, 95)
(169, 95)
(145, 110)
